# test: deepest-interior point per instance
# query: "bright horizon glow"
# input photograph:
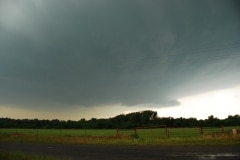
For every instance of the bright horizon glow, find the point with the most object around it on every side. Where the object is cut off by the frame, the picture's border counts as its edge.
(220, 104)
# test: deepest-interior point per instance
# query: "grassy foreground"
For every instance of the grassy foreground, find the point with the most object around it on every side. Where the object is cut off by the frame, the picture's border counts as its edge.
(24, 156)
(160, 136)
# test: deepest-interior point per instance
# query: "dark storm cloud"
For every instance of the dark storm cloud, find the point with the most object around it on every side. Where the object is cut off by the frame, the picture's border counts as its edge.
(90, 52)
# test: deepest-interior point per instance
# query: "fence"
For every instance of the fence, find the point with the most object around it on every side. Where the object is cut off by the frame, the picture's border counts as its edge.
(165, 132)
(146, 131)
(221, 130)
(153, 131)
(160, 132)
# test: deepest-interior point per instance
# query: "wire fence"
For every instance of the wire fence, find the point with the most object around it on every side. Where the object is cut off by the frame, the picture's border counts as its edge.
(147, 131)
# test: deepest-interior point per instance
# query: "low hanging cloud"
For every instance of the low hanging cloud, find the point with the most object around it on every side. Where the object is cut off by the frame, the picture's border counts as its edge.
(94, 53)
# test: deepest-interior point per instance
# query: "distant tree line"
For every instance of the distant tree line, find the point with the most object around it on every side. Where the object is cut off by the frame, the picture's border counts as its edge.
(131, 120)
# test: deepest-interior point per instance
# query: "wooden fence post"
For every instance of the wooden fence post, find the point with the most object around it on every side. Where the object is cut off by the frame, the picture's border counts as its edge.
(168, 133)
(37, 135)
(135, 130)
(117, 131)
(201, 130)
(222, 129)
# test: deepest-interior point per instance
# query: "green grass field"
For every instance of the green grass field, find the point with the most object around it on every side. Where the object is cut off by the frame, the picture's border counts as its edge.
(24, 156)
(126, 136)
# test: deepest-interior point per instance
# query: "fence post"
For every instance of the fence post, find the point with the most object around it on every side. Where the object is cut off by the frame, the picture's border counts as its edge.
(37, 135)
(168, 133)
(222, 129)
(135, 130)
(201, 130)
(117, 131)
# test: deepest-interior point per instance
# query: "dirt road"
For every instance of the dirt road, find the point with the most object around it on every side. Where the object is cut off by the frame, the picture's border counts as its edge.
(92, 152)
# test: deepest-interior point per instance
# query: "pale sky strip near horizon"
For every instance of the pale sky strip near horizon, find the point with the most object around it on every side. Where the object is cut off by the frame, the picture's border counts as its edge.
(88, 58)
(220, 104)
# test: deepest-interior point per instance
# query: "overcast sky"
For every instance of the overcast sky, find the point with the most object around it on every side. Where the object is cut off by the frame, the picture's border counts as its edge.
(75, 59)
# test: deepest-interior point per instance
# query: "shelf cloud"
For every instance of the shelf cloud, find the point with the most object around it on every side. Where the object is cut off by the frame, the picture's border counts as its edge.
(63, 54)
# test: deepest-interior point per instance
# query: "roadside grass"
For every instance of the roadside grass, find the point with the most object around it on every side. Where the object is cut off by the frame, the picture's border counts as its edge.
(24, 156)
(159, 136)
(61, 132)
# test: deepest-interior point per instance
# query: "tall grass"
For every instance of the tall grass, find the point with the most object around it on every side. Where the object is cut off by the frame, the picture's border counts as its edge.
(111, 136)
(61, 132)
(24, 156)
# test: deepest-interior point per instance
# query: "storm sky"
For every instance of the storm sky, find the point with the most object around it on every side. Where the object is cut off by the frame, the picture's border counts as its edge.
(62, 56)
